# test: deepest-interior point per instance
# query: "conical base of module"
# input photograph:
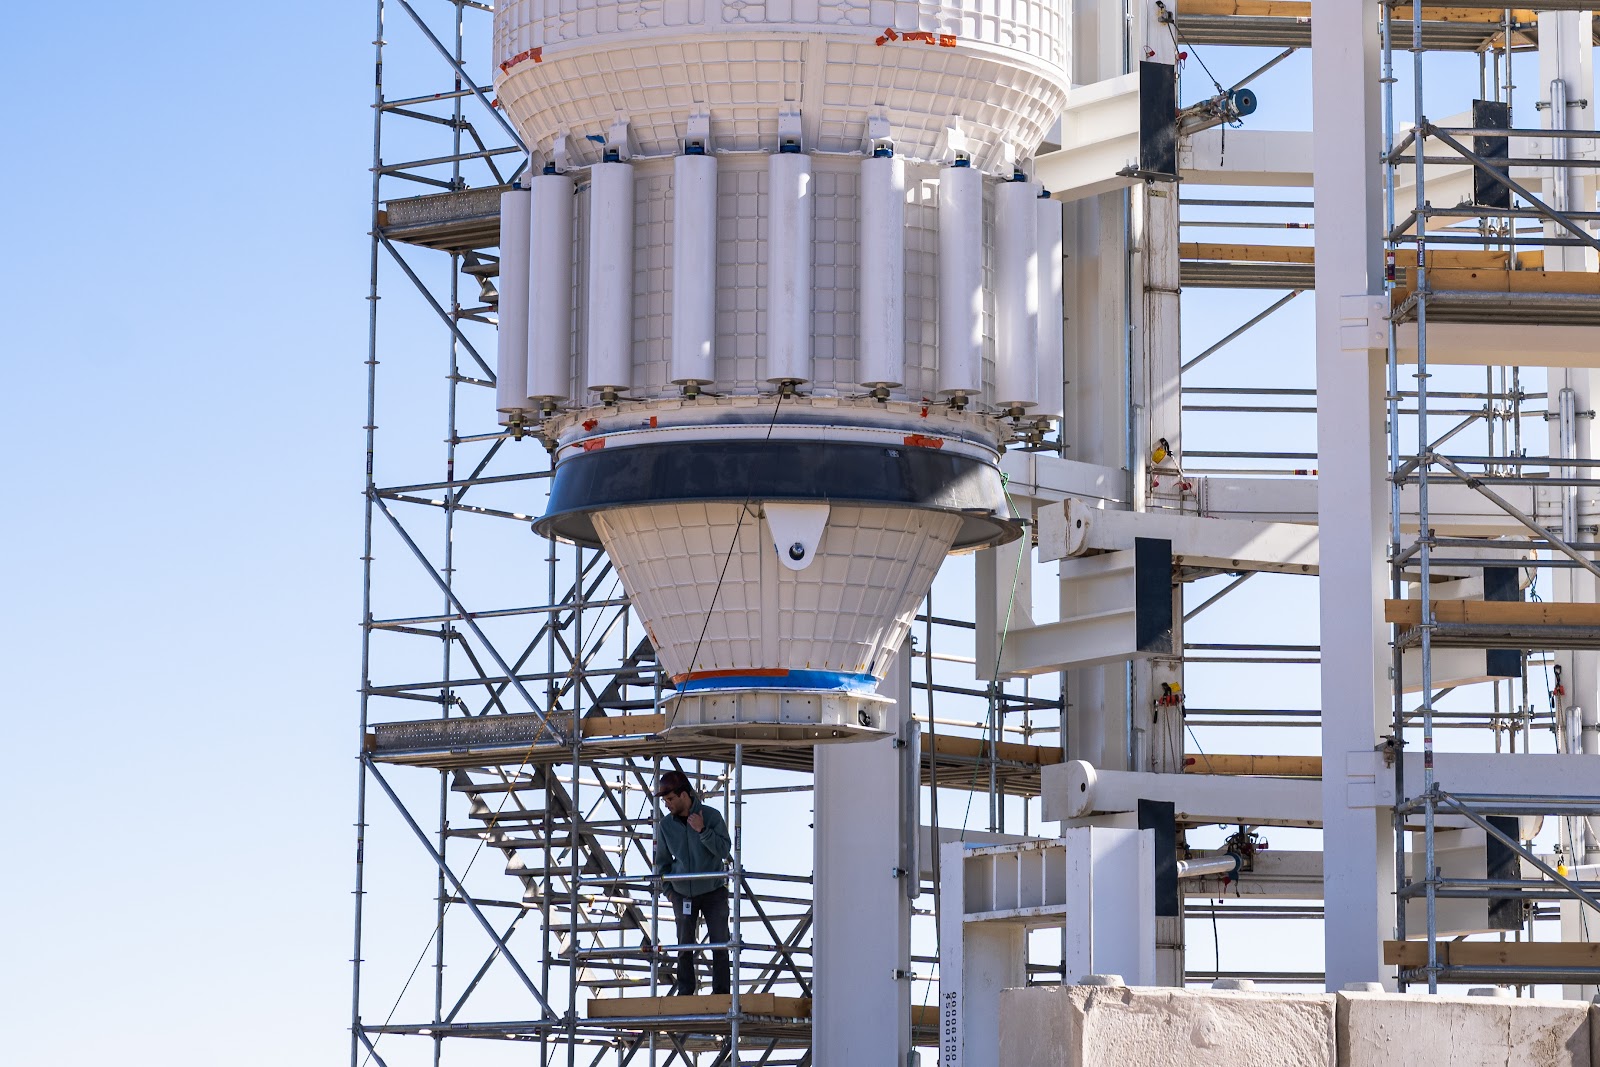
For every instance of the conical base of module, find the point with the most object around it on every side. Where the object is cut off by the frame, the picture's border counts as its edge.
(776, 621)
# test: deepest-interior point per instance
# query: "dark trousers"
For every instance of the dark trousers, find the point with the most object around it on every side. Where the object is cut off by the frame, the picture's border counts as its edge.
(713, 907)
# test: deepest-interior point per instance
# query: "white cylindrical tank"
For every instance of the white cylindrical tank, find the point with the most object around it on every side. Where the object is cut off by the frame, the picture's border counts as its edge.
(1016, 295)
(511, 357)
(882, 346)
(960, 281)
(549, 288)
(775, 523)
(694, 269)
(610, 317)
(789, 267)
(1052, 310)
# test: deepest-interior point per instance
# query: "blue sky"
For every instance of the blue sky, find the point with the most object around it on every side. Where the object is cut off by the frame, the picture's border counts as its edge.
(182, 318)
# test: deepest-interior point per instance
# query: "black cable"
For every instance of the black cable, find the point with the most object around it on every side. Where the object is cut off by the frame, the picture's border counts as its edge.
(733, 544)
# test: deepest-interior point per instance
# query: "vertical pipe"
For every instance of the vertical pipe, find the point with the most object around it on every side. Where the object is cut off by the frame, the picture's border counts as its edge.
(735, 929)
(1589, 745)
(694, 269)
(789, 267)
(549, 284)
(357, 1035)
(960, 281)
(882, 355)
(610, 320)
(1052, 311)
(511, 362)
(1016, 285)
(1567, 418)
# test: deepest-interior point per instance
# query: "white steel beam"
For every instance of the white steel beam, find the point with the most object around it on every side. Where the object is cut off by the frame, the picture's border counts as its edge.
(1075, 790)
(1077, 528)
(1220, 156)
(1100, 127)
(1352, 507)
(1369, 780)
(861, 1007)
(1496, 344)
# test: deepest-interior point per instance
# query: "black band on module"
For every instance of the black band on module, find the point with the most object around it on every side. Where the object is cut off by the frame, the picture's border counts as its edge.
(777, 470)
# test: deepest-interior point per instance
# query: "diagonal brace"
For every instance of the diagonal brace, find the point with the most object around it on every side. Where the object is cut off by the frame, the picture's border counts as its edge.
(461, 73)
(455, 328)
(545, 722)
(1505, 179)
(466, 898)
(1550, 872)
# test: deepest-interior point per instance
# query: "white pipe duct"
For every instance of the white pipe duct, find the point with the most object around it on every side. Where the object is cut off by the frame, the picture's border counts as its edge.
(960, 281)
(549, 289)
(882, 315)
(694, 269)
(1016, 295)
(610, 320)
(1052, 310)
(511, 358)
(789, 209)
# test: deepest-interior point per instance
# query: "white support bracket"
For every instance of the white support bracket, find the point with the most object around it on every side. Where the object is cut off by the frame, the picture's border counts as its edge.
(1078, 528)
(1109, 130)
(1098, 884)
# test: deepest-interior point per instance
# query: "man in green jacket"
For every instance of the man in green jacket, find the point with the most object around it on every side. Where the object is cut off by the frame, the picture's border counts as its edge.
(690, 839)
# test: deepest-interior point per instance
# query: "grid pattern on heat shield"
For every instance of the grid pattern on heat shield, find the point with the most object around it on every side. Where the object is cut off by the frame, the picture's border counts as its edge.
(848, 611)
(998, 66)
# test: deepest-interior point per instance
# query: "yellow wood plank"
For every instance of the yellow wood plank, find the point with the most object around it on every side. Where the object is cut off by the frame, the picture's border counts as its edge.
(1495, 953)
(976, 748)
(1493, 613)
(1506, 281)
(1301, 9)
(1276, 766)
(1228, 253)
(705, 1004)
(622, 725)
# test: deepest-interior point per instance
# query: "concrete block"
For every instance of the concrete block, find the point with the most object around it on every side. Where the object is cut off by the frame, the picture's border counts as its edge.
(1089, 1026)
(1380, 1029)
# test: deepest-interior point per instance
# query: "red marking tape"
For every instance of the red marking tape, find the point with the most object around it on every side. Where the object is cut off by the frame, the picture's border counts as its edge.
(535, 54)
(921, 440)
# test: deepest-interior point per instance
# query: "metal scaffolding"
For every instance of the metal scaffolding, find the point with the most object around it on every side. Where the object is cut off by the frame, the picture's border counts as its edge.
(539, 740)
(1425, 241)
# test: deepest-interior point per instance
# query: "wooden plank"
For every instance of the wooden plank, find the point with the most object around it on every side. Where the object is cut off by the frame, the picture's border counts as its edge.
(1463, 258)
(1301, 9)
(705, 1004)
(622, 725)
(1505, 281)
(1246, 253)
(1274, 766)
(1495, 953)
(1493, 613)
(977, 748)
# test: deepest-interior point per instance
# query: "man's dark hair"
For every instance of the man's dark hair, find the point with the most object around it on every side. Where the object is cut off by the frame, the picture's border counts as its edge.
(673, 782)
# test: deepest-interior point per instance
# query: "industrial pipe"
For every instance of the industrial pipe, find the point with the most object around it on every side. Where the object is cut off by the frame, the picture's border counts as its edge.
(960, 281)
(789, 267)
(694, 269)
(1016, 294)
(882, 313)
(1052, 310)
(1229, 864)
(511, 358)
(610, 320)
(549, 288)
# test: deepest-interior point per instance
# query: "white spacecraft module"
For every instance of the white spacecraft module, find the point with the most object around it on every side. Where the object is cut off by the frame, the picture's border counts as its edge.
(785, 301)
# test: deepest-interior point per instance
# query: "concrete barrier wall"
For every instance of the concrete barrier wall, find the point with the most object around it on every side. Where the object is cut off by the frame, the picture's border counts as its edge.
(1455, 1031)
(1121, 1026)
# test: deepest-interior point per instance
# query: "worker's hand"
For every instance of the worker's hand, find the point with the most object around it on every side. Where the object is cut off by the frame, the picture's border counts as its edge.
(697, 822)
